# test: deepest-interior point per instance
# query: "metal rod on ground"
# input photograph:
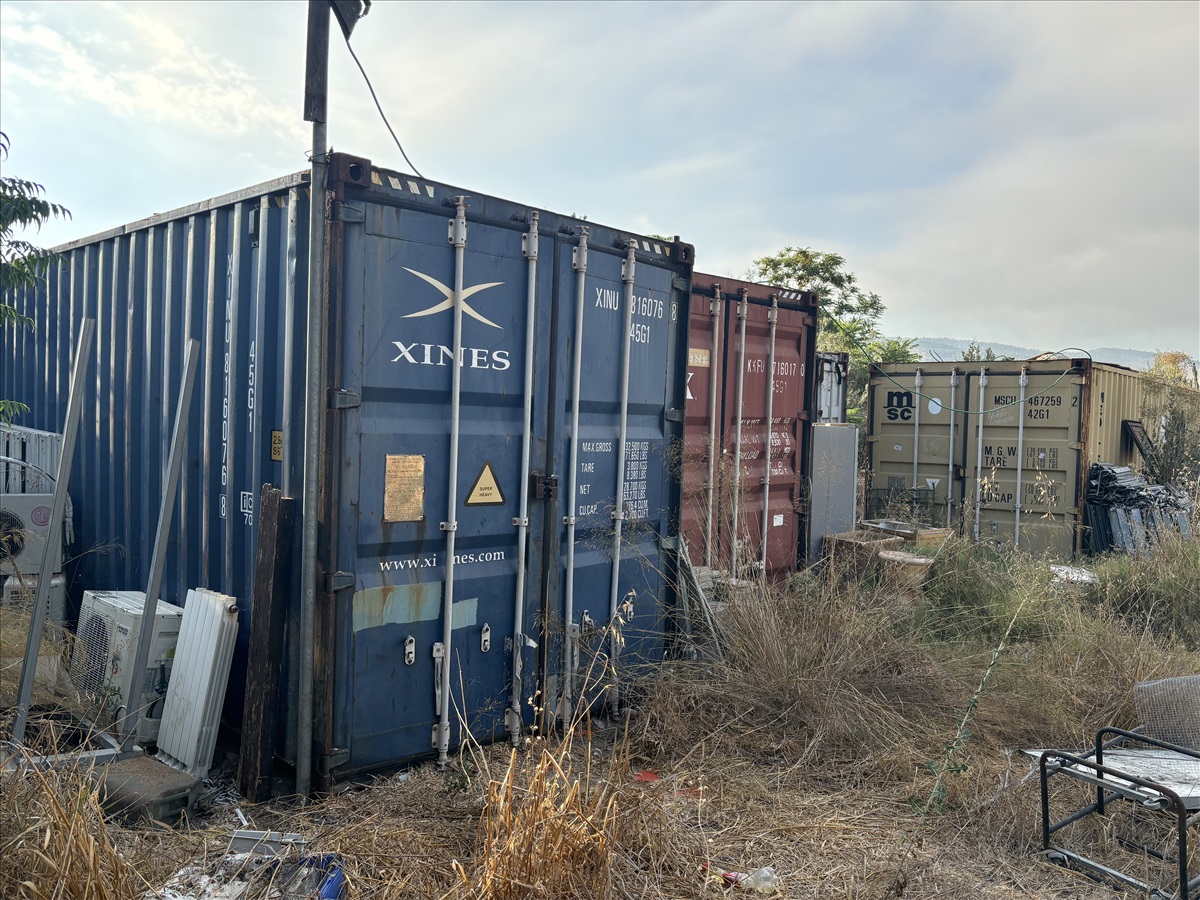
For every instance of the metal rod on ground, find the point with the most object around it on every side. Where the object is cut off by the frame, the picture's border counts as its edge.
(315, 92)
(127, 728)
(83, 355)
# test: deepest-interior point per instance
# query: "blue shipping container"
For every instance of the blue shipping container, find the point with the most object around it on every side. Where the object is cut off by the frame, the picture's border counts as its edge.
(554, 303)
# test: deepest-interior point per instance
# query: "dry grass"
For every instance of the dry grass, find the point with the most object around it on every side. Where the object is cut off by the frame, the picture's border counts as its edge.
(827, 743)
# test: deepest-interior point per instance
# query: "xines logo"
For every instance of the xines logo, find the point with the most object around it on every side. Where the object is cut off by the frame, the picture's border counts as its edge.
(421, 354)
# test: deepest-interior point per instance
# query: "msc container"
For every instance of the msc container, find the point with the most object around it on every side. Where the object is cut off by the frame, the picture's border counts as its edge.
(832, 383)
(998, 450)
(572, 383)
(750, 357)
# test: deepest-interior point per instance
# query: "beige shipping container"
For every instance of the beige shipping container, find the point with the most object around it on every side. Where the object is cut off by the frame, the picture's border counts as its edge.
(1015, 474)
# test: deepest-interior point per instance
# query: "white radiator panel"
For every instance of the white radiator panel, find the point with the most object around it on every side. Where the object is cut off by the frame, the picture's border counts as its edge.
(196, 691)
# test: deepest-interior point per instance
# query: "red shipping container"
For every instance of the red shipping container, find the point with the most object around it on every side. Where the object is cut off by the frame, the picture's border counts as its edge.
(751, 358)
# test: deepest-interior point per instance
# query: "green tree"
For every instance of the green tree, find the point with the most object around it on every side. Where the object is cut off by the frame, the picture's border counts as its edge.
(23, 205)
(826, 275)
(974, 353)
(1171, 415)
(894, 350)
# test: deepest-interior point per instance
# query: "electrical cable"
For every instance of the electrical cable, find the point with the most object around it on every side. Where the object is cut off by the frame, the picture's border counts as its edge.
(382, 115)
(970, 412)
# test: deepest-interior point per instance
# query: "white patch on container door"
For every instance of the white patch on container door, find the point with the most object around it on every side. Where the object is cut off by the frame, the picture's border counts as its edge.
(935, 406)
(933, 483)
(486, 489)
(777, 520)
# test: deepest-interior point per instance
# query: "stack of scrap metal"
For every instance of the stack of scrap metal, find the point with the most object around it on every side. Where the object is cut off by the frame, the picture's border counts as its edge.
(1124, 512)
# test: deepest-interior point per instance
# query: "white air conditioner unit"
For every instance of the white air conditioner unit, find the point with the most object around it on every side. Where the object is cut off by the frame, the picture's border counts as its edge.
(21, 590)
(24, 532)
(102, 662)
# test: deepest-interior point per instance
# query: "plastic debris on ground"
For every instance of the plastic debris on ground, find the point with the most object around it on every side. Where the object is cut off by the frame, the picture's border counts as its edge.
(1071, 575)
(260, 865)
(762, 881)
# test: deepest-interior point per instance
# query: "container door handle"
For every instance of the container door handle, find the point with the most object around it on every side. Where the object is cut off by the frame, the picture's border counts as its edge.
(439, 661)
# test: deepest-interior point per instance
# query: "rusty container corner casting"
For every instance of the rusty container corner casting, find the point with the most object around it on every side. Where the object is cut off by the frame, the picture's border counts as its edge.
(456, 590)
(751, 354)
(1017, 474)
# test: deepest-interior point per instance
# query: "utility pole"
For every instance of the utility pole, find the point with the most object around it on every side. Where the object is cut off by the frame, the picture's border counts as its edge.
(316, 97)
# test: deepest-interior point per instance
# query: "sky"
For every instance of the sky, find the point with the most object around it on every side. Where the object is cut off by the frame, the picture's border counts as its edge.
(1020, 173)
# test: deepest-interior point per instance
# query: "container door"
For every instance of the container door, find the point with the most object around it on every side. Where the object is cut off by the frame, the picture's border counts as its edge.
(917, 445)
(1038, 463)
(590, 645)
(394, 471)
(758, 503)
(704, 387)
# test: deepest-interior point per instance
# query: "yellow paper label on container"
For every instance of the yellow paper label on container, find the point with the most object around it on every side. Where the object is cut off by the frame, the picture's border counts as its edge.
(276, 446)
(698, 357)
(404, 489)
(486, 489)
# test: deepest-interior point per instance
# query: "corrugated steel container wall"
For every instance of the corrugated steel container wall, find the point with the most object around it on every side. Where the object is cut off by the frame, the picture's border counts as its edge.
(231, 273)
(832, 385)
(1038, 449)
(778, 499)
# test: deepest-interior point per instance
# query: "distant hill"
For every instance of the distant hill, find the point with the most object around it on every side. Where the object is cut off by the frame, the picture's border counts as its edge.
(933, 348)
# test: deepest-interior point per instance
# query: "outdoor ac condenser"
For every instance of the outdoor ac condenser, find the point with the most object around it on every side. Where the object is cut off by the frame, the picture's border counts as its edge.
(25, 532)
(102, 662)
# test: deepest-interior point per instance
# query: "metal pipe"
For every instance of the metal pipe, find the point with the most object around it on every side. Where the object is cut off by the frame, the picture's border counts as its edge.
(715, 312)
(772, 316)
(918, 382)
(737, 445)
(127, 728)
(58, 505)
(458, 236)
(314, 428)
(950, 448)
(571, 635)
(983, 380)
(1024, 382)
(614, 594)
(530, 250)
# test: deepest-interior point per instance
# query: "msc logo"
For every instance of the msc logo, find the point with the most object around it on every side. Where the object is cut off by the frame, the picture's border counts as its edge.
(899, 405)
(422, 354)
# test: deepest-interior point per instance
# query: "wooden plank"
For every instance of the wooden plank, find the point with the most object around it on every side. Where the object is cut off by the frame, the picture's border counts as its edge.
(268, 615)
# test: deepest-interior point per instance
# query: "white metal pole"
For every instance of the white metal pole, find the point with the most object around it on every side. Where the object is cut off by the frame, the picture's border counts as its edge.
(1024, 382)
(458, 237)
(530, 249)
(772, 317)
(918, 382)
(983, 380)
(614, 596)
(950, 448)
(58, 505)
(713, 387)
(737, 446)
(571, 635)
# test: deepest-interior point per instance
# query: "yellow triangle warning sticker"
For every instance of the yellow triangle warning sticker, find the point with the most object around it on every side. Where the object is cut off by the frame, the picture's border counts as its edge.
(486, 489)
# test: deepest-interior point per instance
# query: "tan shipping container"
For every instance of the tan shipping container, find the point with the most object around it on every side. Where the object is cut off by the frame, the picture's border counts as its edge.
(1017, 474)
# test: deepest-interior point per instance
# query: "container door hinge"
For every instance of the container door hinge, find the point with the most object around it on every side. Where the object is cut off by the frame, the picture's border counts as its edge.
(681, 284)
(1075, 445)
(543, 487)
(338, 756)
(674, 415)
(352, 214)
(804, 415)
(872, 438)
(345, 400)
(512, 721)
(485, 638)
(670, 542)
(410, 650)
(338, 581)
